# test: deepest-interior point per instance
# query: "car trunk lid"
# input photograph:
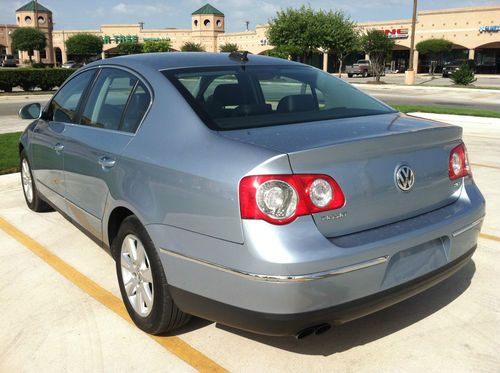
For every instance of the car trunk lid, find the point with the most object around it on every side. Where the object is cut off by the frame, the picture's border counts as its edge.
(363, 154)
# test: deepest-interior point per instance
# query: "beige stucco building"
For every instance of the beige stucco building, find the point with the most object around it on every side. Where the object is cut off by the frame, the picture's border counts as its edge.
(474, 31)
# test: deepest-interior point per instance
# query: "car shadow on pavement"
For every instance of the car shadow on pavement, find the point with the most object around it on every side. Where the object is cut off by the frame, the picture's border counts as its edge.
(375, 326)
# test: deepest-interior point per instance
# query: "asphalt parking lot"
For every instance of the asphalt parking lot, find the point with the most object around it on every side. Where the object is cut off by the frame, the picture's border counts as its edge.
(61, 307)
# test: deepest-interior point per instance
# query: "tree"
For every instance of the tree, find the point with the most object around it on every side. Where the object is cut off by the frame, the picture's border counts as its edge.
(378, 45)
(130, 48)
(298, 31)
(434, 49)
(28, 39)
(229, 47)
(282, 52)
(83, 46)
(192, 47)
(153, 46)
(339, 35)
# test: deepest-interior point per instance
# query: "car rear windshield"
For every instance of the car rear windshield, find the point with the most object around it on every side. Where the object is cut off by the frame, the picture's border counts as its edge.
(230, 98)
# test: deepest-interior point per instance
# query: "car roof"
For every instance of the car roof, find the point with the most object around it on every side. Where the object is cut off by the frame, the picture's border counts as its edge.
(175, 60)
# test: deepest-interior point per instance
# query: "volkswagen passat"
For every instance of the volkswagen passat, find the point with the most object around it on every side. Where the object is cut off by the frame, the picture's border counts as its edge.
(256, 192)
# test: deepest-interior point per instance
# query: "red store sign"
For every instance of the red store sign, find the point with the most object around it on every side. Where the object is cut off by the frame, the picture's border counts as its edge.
(397, 33)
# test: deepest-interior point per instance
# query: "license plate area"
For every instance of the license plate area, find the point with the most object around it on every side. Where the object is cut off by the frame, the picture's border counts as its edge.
(416, 261)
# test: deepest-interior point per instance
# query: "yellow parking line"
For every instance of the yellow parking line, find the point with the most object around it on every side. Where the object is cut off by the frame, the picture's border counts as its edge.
(485, 165)
(173, 344)
(490, 237)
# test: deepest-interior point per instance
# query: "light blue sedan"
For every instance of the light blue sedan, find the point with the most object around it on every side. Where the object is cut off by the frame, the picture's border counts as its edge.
(256, 192)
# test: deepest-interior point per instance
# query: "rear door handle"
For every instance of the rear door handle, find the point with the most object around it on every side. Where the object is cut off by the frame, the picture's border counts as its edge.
(106, 162)
(58, 148)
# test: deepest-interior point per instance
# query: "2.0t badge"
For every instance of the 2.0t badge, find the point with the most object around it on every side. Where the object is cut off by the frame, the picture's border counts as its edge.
(405, 178)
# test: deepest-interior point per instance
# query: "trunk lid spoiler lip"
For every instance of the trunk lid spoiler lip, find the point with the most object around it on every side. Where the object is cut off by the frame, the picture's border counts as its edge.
(254, 136)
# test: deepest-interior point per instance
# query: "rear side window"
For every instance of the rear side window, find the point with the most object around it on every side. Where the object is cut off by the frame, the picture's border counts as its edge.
(137, 106)
(109, 97)
(64, 105)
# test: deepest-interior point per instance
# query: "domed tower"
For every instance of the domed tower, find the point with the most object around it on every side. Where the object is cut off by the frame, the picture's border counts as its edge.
(34, 14)
(207, 23)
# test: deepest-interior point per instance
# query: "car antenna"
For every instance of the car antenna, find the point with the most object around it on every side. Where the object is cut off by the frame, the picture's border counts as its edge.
(240, 56)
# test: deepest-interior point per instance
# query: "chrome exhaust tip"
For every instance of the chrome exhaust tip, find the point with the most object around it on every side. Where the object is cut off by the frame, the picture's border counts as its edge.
(316, 330)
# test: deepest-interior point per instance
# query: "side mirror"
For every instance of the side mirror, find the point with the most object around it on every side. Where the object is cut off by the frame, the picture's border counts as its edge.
(31, 111)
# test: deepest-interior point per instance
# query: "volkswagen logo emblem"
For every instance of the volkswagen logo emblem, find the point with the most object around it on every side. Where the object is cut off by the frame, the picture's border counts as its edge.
(405, 178)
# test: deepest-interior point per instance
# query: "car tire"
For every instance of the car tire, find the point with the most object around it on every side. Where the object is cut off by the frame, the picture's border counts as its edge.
(31, 195)
(349, 75)
(142, 280)
(365, 74)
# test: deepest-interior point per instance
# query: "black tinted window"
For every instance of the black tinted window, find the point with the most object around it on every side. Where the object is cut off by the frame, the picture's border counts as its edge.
(108, 99)
(136, 108)
(255, 96)
(64, 106)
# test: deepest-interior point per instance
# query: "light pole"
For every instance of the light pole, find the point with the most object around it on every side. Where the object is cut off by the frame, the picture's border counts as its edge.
(411, 73)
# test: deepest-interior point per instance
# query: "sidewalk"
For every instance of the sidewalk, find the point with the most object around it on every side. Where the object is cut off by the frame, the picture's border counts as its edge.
(390, 86)
(425, 80)
(12, 123)
(479, 123)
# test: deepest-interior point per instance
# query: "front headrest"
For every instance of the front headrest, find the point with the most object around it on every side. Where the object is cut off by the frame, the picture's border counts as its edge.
(229, 95)
(295, 103)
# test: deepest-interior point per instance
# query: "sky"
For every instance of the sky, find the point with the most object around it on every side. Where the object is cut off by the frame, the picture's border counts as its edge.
(90, 14)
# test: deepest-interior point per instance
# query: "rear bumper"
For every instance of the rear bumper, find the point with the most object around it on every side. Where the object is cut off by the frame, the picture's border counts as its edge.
(290, 324)
(286, 278)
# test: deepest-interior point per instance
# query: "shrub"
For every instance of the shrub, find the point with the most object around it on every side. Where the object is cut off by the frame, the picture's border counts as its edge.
(29, 78)
(8, 80)
(463, 76)
(192, 47)
(229, 47)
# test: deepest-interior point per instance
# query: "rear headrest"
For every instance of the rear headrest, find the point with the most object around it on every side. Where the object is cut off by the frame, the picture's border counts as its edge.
(229, 95)
(294, 103)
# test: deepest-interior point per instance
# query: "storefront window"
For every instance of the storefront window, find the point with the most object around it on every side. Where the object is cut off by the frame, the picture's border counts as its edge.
(488, 60)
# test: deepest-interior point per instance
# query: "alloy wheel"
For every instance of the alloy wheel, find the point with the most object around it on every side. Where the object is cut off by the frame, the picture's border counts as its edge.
(136, 275)
(27, 180)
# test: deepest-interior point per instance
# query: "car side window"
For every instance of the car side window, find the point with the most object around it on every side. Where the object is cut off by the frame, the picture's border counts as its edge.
(108, 99)
(64, 105)
(136, 108)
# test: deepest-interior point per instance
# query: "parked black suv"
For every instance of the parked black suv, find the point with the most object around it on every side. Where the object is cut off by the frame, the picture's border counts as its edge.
(452, 66)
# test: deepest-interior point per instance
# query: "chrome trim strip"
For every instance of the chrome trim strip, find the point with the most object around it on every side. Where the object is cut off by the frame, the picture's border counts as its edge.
(467, 227)
(283, 278)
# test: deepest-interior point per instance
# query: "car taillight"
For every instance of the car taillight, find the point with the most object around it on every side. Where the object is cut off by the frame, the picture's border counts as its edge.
(459, 163)
(280, 199)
